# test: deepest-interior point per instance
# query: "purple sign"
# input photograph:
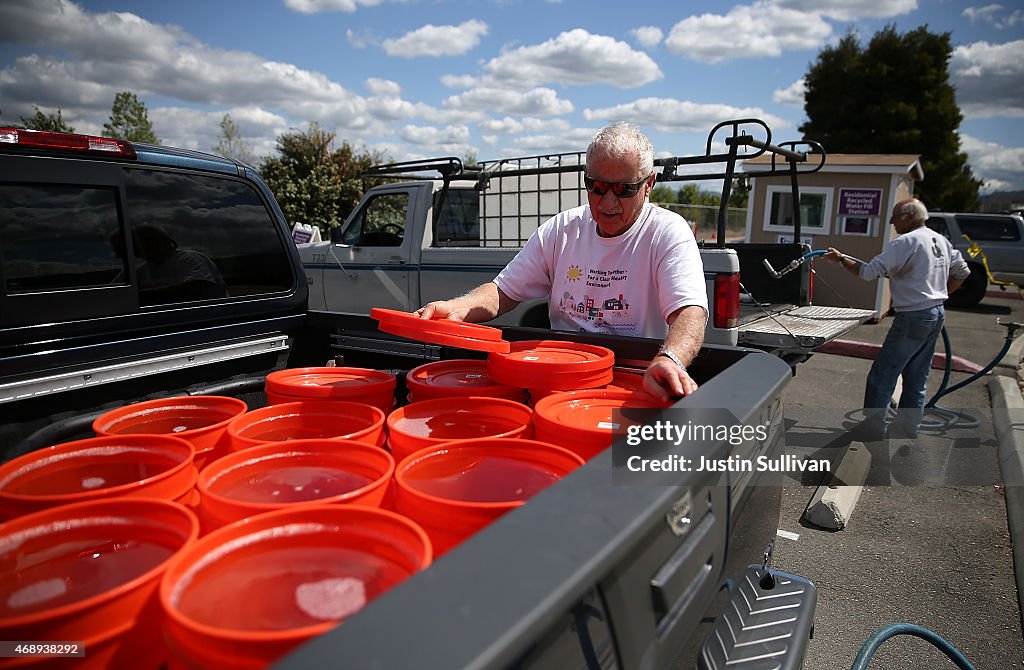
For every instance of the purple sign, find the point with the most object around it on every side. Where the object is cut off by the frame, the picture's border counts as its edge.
(860, 201)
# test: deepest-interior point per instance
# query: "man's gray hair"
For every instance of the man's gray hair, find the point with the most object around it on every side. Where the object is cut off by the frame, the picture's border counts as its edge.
(621, 139)
(914, 207)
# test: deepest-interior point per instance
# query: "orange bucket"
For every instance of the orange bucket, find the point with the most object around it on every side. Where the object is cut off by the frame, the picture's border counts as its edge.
(307, 419)
(373, 387)
(281, 474)
(622, 380)
(251, 591)
(137, 466)
(458, 378)
(552, 364)
(428, 423)
(588, 421)
(200, 419)
(455, 489)
(89, 572)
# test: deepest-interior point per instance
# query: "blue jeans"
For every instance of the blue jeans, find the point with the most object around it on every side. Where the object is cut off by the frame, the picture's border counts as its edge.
(908, 352)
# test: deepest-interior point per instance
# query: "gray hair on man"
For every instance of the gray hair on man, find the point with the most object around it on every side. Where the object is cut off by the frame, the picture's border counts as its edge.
(914, 207)
(621, 139)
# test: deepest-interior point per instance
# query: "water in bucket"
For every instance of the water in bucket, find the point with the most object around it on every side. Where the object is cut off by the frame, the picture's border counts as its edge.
(290, 484)
(476, 478)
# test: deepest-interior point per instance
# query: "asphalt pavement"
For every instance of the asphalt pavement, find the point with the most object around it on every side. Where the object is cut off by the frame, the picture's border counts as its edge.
(928, 542)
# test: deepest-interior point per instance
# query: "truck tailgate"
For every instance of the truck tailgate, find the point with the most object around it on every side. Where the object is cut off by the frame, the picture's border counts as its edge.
(802, 328)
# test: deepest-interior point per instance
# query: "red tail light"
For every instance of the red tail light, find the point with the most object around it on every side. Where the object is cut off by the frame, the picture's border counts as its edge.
(67, 142)
(727, 301)
(810, 288)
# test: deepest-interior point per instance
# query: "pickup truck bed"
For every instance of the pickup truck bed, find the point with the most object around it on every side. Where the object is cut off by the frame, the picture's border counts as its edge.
(589, 571)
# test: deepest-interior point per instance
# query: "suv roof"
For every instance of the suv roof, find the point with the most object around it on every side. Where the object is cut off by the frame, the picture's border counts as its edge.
(43, 143)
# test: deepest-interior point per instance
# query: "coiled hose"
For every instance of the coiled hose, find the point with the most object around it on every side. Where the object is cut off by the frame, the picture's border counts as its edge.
(872, 644)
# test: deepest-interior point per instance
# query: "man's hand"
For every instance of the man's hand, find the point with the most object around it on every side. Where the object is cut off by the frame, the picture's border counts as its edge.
(665, 380)
(833, 255)
(442, 309)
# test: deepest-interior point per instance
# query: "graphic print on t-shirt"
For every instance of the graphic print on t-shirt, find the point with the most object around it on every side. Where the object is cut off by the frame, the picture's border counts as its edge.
(593, 297)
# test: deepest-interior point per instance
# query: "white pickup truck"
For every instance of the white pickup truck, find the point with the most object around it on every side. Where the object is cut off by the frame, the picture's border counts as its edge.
(440, 229)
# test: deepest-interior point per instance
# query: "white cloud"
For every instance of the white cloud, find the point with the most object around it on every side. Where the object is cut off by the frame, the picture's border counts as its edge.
(534, 102)
(673, 116)
(988, 79)
(509, 125)
(430, 135)
(792, 95)
(103, 53)
(994, 15)
(574, 57)
(361, 39)
(433, 40)
(999, 167)
(317, 6)
(648, 36)
(747, 31)
(986, 13)
(850, 10)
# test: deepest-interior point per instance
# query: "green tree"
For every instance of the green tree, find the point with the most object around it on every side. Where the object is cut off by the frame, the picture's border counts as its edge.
(312, 181)
(231, 143)
(53, 123)
(129, 120)
(663, 194)
(894, 97)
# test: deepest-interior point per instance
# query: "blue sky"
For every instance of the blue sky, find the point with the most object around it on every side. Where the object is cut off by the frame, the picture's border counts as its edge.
(420, 78)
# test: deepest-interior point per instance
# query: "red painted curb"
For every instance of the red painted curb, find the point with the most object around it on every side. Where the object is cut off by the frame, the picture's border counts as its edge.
(868, 350)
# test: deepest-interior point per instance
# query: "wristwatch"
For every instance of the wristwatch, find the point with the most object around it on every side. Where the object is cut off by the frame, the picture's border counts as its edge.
(667, 353)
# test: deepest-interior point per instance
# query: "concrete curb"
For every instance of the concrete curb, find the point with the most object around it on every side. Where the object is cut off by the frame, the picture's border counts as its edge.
(832, 504)
(1008, 420)
(1013, 355)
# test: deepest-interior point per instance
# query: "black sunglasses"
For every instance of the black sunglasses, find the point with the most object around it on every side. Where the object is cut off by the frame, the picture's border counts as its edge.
(598, 187)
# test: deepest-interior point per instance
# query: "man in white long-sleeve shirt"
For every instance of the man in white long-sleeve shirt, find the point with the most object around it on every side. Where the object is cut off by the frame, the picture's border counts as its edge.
(923, 269)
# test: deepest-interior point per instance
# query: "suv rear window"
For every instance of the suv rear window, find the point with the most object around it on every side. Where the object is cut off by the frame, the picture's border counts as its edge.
(216, 232)
(60, 237)
(194, 237)
(994, 228)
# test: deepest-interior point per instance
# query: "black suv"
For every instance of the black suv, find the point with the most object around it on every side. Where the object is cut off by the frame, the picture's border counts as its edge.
(120, 261)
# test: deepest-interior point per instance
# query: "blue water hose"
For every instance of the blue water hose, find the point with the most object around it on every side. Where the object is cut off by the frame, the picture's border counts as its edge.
(872, 644)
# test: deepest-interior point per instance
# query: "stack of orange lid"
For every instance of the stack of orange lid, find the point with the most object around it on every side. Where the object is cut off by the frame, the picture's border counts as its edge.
(588, 421)
(623, 379)
(457, 378)
(373, 387)
(440, 331)
(552, 364)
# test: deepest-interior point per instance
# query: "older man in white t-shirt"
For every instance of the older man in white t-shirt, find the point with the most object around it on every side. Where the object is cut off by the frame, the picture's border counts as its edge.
(616, 265)
(923, 269)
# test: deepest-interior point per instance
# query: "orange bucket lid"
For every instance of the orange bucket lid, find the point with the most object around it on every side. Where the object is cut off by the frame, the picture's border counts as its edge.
(457, 377)
(325, 383)
(553, 364)
(440, 331)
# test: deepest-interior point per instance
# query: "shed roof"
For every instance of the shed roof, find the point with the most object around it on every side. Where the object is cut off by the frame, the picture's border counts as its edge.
(884, 163)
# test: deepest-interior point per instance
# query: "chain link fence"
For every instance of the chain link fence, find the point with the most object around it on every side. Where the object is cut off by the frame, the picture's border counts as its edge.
(704, 218)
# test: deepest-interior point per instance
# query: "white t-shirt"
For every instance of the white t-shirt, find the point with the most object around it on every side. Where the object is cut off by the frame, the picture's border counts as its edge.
(918, 264)
(624, 285)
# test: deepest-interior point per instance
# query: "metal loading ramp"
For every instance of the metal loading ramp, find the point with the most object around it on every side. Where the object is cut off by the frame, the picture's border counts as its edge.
(803, 327)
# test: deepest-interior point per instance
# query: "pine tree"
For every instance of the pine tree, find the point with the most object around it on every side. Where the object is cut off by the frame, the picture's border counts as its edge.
(129, 120)
(53, 123)
(231, 143)
(894, 97)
